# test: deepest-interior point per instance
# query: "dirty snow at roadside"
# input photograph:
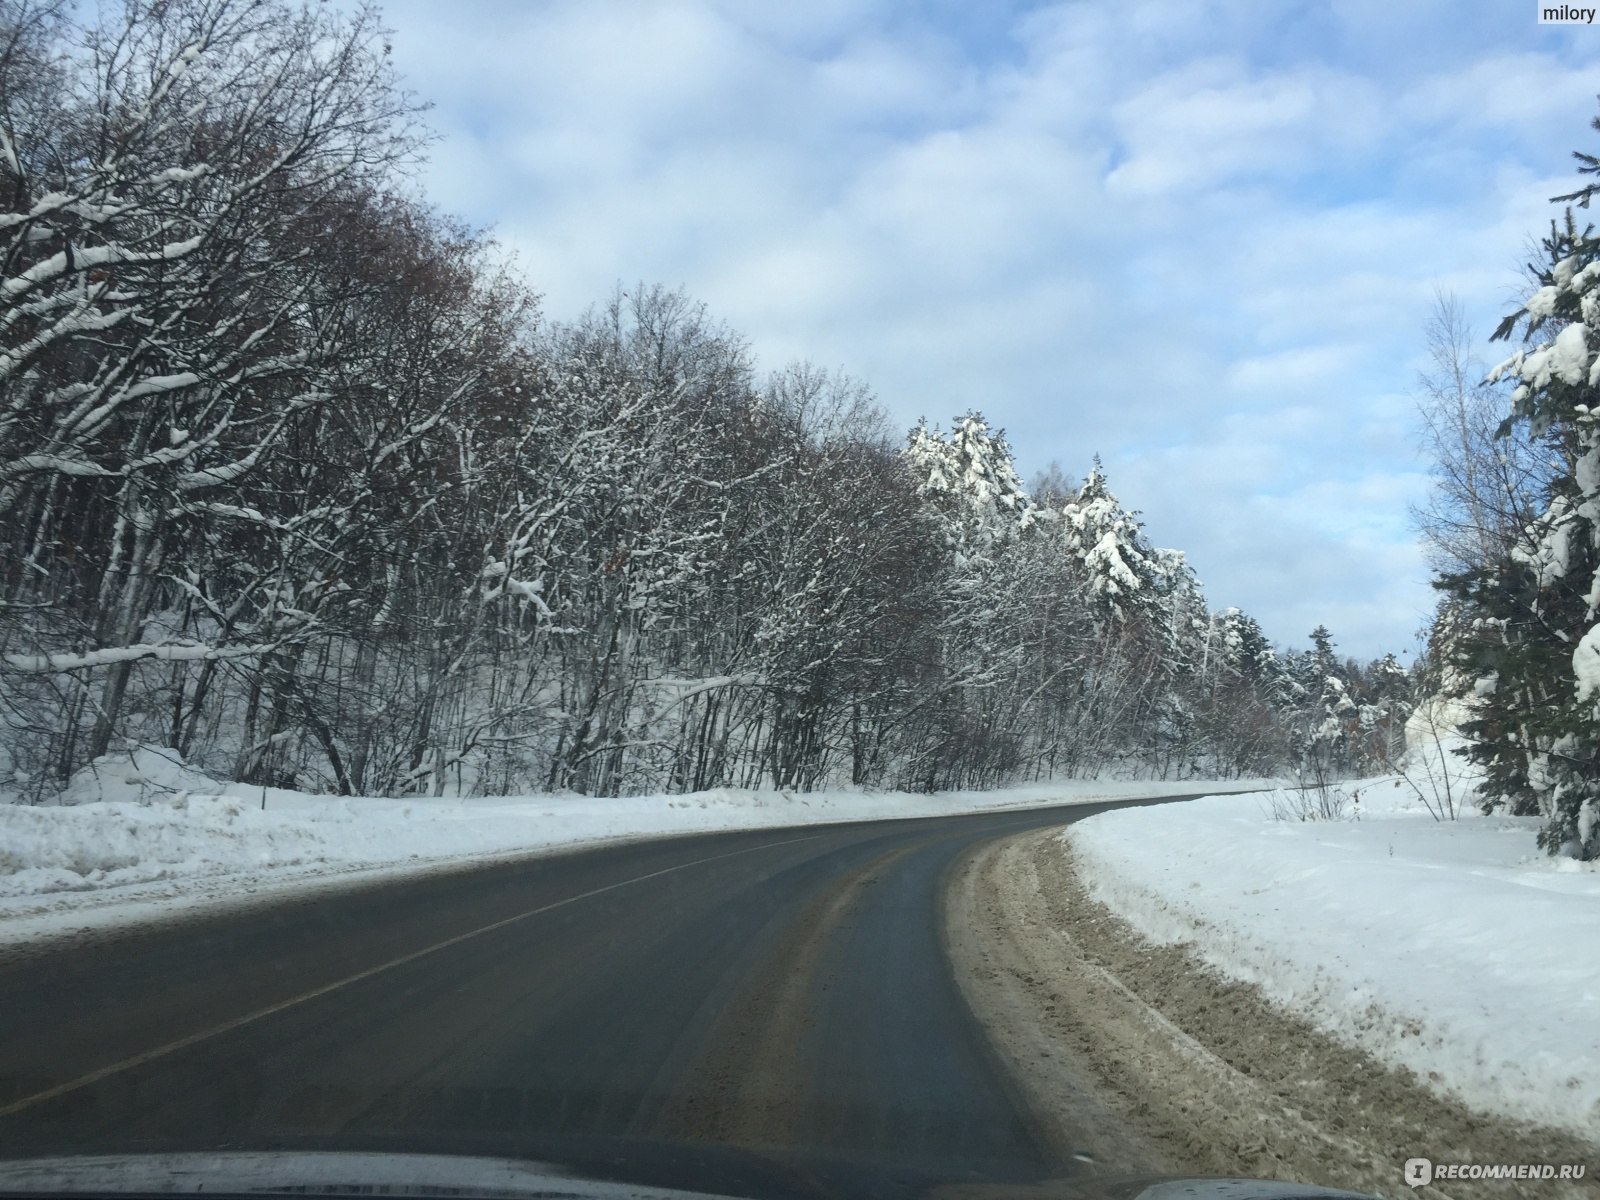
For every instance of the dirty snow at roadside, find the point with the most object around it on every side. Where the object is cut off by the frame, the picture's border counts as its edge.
(140, 834)
(1453, 947)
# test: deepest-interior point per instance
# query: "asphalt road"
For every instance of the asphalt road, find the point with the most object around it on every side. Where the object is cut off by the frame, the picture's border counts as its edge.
(782, 989)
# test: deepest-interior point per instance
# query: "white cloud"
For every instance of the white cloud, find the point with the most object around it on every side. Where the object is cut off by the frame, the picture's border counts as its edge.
(1286, 372)
(1201, 239)
(1212, 122)
(1515, 91)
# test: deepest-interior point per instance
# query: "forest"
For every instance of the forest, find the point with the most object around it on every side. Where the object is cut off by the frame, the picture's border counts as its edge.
(297, 480)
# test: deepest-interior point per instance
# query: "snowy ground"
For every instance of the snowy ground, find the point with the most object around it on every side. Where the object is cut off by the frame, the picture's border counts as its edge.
(1452, 947)
(142, 835)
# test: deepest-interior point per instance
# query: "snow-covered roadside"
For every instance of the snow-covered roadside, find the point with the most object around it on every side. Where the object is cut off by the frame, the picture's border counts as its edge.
(142, 834)
(1454, 948)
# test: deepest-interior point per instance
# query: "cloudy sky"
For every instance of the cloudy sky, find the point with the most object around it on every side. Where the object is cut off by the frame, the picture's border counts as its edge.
(1198, 239)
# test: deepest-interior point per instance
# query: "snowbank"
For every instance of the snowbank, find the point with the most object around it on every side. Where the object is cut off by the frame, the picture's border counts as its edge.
(136, 832)
(1453, 948)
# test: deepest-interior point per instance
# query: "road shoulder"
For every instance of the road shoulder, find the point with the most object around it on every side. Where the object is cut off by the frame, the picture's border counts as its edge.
(1192, 1073)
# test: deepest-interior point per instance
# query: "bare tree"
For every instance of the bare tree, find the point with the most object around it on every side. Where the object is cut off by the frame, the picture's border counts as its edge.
(1487, 490)
(160, 337)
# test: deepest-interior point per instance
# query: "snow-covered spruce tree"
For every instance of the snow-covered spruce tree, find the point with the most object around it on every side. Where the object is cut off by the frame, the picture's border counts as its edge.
(1383, 703)
(968, 485)
(1329, 718)
(1242, 686)
(1243, 651)
(970, 478)
(1539, 726)
(1126, 586)
(1180, 628)
(1511, 674)
(1121, 566)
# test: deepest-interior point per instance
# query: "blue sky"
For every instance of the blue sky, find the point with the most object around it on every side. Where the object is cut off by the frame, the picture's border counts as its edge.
(1198, 239)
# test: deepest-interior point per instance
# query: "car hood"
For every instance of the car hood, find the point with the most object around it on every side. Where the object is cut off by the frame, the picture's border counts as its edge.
(697, 1172)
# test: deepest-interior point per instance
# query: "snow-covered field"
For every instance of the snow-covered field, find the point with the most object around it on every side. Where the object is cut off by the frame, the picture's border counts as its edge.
(1455, 948)
(141, 834)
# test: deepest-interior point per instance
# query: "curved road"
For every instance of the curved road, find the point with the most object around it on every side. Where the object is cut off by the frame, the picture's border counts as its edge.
(782, 989)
